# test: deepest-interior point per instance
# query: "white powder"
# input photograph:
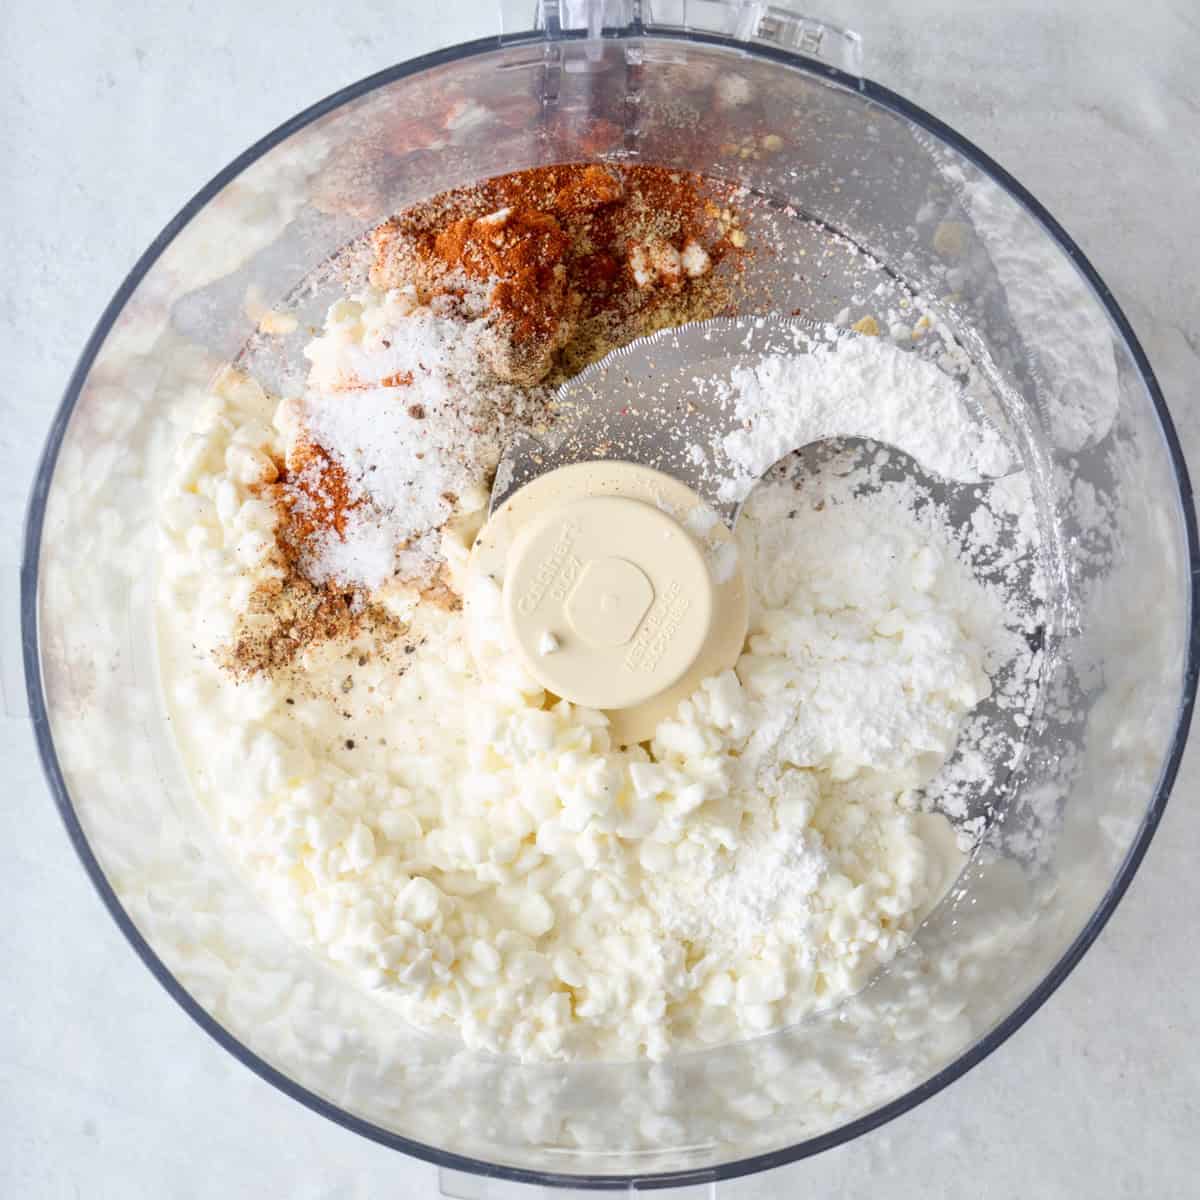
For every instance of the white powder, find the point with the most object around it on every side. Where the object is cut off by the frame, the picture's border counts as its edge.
(890, 627)
(861, 387)
(869, 644)
(728, 901)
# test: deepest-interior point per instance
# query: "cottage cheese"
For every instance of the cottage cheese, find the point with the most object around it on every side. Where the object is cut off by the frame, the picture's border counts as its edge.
(487, 861)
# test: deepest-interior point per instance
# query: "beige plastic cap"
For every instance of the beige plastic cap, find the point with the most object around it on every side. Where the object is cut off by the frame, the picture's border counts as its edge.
(617, 589)
(608, 599)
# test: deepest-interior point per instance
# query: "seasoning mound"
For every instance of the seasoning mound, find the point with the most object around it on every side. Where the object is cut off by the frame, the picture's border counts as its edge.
(564, 263)
(478, 303)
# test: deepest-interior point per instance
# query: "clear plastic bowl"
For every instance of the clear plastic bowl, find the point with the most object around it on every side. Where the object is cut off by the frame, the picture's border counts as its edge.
(1074, 816)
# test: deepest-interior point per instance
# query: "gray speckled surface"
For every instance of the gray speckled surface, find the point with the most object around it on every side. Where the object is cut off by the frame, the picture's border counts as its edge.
(115, 111)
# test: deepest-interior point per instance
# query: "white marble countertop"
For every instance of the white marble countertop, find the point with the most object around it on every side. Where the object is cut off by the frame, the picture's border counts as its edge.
(115, 112)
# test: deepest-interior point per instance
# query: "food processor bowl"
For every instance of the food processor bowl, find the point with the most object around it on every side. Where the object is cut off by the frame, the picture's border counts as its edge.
(742, 92)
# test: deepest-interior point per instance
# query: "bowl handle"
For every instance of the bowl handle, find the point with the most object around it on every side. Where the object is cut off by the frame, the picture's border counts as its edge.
(752, 21)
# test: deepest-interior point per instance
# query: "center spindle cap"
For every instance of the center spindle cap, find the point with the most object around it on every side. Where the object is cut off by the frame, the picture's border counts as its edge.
(608, 599)
(614, 585)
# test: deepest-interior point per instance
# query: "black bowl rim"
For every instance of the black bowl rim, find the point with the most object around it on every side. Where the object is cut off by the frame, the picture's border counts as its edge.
(34, 525)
